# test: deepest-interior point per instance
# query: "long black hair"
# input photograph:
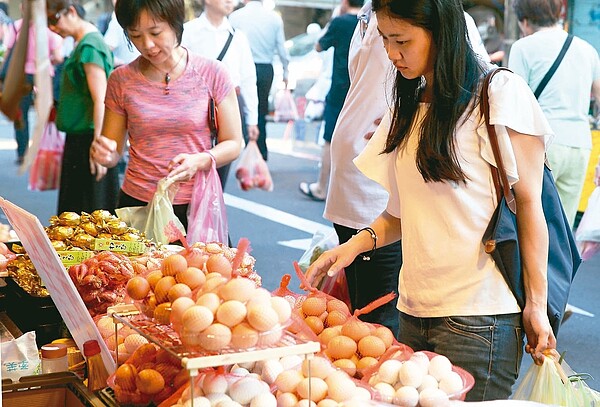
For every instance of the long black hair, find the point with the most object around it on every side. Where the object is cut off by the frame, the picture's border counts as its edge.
(457, 71)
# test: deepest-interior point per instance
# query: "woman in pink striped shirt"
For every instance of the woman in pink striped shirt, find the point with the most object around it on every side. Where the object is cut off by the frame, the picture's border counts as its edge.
(160, 103)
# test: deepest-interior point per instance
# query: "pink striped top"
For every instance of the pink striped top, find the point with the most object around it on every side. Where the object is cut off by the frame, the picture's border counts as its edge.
(161, 126)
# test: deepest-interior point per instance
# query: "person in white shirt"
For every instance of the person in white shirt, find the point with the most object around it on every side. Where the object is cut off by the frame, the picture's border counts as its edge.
(123, 51)
(264, 30)
(431, 157)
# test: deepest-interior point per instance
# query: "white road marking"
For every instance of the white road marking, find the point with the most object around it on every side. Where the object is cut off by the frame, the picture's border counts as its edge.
(300, 244)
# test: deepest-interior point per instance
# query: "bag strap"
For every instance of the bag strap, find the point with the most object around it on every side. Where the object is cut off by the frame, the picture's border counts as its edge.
(225, 47)
(499, 172)
(554, 66)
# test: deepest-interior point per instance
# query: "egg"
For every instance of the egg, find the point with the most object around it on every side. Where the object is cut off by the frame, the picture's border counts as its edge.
(240, 289)
(282, 308)
(385, 334)
(341, 347)
(328, 333)
(287, 381)
(451, 383)
(366, 362)
(192, 277)
(271, 369)
(243, 336)
(422, 360)
(340, 386)
(406, 396)
(125, 376)
(123, 354)
(197, 318)
(428, 381)
(134, 341)
(137, 288)
(239, 371)
(346, 365)
(306, 403)
(337, 305)
(317, 367)
(270, 338)
(439, 366)
(410, 374)
(217, 398)
(355, 329)
(264, 400)
(245, 389)
(231, 313)
(290, 361)
(173, 265)
(371, 345)
(362, 394)
(386, 390)
(214, 384)
(388, 371)
(262, 318)
(335, 318)
(161, 290)
(149, 381)
(179, 290)
(287, 400)
(200, 401)
(210, 301)
(327, 403)
(313, 388)
(215, 337)
(107, 326)
(314, 306)
(213, 284)
(195, 257)
(314, 323)
(178, 307)
(261, 298)
(153, 278)
(162, 313)
(433, 398)
(217, 263)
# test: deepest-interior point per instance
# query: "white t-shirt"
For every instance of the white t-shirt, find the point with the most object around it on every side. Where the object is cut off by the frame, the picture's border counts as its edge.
(566, 98)
(445, 269)
(123, 51)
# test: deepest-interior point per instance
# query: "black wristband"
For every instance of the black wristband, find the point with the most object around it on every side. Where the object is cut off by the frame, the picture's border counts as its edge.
(367, 256)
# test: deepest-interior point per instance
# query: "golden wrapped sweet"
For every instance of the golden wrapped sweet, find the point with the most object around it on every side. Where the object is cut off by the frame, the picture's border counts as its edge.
(90, 228)
(69, 219)
(117, 227)
(83, 240)
(23, 272)
(130, 237)
(104, 235)
(101, 215)
(59, 245)
(17, 249)
(60, 232)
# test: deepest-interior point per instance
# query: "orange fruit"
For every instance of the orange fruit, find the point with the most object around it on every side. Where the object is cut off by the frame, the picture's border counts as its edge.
(125, 376)
(149, 381)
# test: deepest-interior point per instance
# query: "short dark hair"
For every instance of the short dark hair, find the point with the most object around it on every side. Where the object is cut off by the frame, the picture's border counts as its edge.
(356, 3)
(4, 7)
(541, 13)
(54, 6)
(170, 11)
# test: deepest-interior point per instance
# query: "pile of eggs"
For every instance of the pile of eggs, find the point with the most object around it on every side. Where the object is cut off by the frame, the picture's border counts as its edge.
(150, 374)
(125, 339)
(418, 381)
(241, 389)
(317, 384)
(320, 312)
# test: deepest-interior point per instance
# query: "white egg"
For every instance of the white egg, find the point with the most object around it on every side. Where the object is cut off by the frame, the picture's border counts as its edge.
(264, 400)
(239, 371)
(421, 359)
(306, 403)
(217, 398)
(215, 384)
(247, 365)
(341, 387)
(439, 366)
(362, 394)
(291, 361)
(451, 383)
(197, 402)
(406, 396)
(433, 398)
(245, 389)
(271, 370)
(388, 371)
(287, 400)
(411, 374)
(373, 380)
(288, 380)
(228, 403)
(312, 388)
(428, 381)
(317, 367)
(386, 390)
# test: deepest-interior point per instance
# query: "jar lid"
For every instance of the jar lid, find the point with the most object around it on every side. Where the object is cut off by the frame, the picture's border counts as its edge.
(91, 348)
(54, 351)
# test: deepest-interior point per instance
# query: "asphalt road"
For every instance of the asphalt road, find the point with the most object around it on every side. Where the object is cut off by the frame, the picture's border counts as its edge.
(280, 224)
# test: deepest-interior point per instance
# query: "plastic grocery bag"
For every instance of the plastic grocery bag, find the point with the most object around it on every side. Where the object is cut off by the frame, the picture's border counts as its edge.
(44, 174)
(20, 357)
(555, 383)
(285, 106)
(207, 216)
(322, 240)
(153, 218)
(252, 170)
(588, 231)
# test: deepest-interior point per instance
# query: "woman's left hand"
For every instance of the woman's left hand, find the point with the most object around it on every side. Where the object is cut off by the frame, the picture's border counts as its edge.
(183, 167)
(539, 333)
(97, 169)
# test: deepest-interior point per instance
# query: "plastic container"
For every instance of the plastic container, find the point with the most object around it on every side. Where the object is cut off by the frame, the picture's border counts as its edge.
(54, 358)
(96, 371)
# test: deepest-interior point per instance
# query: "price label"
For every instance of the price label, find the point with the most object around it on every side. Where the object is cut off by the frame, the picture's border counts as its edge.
(71, 257)
(119, 246)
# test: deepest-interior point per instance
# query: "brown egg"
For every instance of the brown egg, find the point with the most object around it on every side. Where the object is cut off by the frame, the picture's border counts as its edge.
(356, 329)
(215, 337)
(153, 278)
(314, 323)
(179, 290)
(335, 318)
(371, 345)
(161, 290)
(138, 288)
(125, 376)
(149, 381)
(218, 263)
(341, 347)
(337, 305)
(346, 365)
(193, 277)
(162, 313)
(173, 265)
(385, 334)
(314, 306)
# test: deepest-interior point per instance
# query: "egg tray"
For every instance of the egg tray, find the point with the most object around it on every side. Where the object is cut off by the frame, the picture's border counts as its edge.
(165, 337)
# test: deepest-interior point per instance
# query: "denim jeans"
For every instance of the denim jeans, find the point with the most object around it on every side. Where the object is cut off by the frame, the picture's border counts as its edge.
(490, 347)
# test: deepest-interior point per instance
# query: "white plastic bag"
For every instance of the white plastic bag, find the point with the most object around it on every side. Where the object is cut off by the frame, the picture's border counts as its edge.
(285, 106)
(588, 231)
(154, 217)
(20, 357)
(322, 240)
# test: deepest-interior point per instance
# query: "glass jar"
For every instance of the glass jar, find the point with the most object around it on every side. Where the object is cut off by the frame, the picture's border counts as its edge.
(54, 358)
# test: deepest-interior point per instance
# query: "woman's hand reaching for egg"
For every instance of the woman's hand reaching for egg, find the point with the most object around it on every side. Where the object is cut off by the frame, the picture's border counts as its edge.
(330, 263)
(183, 167)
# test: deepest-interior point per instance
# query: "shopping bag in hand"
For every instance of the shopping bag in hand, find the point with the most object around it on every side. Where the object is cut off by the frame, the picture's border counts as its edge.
(252, 170)
(207, 217)
(588, 231)
(285, 106)
(153, 218)
(44, 174)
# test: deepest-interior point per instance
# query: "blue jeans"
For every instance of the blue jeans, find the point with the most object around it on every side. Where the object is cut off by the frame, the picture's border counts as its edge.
(490, 347)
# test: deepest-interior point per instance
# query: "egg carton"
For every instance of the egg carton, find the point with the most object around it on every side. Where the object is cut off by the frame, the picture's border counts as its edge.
(193, 360)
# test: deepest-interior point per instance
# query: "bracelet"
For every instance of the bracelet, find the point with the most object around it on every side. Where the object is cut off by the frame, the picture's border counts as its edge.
(367, 257)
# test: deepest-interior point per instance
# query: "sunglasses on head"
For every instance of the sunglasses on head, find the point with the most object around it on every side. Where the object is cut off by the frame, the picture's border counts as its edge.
(54, 19)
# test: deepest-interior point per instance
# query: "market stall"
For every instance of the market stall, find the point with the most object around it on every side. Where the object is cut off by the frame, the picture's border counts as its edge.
(192, 325)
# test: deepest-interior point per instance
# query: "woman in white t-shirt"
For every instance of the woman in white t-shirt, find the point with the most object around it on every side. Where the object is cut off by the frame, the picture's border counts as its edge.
(432, 155)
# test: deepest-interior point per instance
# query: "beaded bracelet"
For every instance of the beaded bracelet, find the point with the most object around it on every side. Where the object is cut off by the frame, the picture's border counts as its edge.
(367, 257)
